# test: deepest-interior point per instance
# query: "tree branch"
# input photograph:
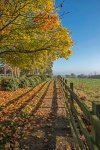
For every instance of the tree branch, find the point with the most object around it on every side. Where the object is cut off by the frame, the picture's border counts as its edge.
(24, 51)
(12, 19)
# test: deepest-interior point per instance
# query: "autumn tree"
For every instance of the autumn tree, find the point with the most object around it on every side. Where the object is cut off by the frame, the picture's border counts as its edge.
(31, 34)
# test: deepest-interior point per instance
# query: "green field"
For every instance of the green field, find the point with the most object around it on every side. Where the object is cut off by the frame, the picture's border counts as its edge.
(87, 89)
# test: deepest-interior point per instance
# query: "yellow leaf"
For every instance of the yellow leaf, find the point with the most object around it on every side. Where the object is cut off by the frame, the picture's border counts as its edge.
(7, 146)
(25, 138)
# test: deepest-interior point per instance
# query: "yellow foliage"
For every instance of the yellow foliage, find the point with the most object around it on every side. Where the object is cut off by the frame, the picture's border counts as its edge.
(32, 33)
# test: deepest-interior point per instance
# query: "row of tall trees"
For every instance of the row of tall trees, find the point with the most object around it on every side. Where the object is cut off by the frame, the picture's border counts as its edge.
(31, 34)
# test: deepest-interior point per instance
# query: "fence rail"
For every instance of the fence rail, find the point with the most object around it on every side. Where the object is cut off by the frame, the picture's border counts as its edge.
(5, 75)
(84, 139)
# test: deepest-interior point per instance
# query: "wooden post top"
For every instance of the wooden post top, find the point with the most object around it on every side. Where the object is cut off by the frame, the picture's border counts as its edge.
(96, 108)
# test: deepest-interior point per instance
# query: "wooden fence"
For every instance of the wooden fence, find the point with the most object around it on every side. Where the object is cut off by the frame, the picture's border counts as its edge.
(84, 139)
(5, 75)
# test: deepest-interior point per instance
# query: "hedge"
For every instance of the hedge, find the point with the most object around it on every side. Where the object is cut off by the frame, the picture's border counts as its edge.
(12, 83)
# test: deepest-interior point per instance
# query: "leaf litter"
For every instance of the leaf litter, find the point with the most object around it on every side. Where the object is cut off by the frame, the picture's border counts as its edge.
(45, 128)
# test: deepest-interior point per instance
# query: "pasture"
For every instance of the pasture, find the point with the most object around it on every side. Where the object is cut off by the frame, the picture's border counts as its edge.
(87, 89)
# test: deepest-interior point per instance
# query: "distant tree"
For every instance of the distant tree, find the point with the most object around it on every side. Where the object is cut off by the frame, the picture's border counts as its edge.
(73, 75)
(49, 72)
(96, 76)
(82, 76)
(67, 76)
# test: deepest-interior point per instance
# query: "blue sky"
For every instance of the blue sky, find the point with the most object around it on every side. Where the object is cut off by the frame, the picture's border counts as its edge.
(83, 21)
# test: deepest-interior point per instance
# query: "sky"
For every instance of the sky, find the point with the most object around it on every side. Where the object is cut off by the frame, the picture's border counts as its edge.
(83, 21)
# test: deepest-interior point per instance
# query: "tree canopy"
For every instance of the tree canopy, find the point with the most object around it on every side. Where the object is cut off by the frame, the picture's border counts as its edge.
(31, 34)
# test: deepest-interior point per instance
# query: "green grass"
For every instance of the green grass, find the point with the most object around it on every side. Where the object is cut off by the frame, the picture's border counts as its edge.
(87, 89)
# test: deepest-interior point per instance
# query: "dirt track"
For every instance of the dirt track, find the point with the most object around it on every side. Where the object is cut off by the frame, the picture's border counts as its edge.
(47, 128)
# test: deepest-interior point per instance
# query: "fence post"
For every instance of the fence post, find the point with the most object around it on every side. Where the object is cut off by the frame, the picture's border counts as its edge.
(66, 91)
(71, 87)
(61, 82)
(64, 85)
(71, 97)
(66, 81)
(96, 111)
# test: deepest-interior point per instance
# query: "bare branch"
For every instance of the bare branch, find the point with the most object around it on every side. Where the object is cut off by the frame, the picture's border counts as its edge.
(60, 6)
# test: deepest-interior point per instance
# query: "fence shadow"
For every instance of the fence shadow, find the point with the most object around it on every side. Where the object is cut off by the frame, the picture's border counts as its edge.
(53, 126)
